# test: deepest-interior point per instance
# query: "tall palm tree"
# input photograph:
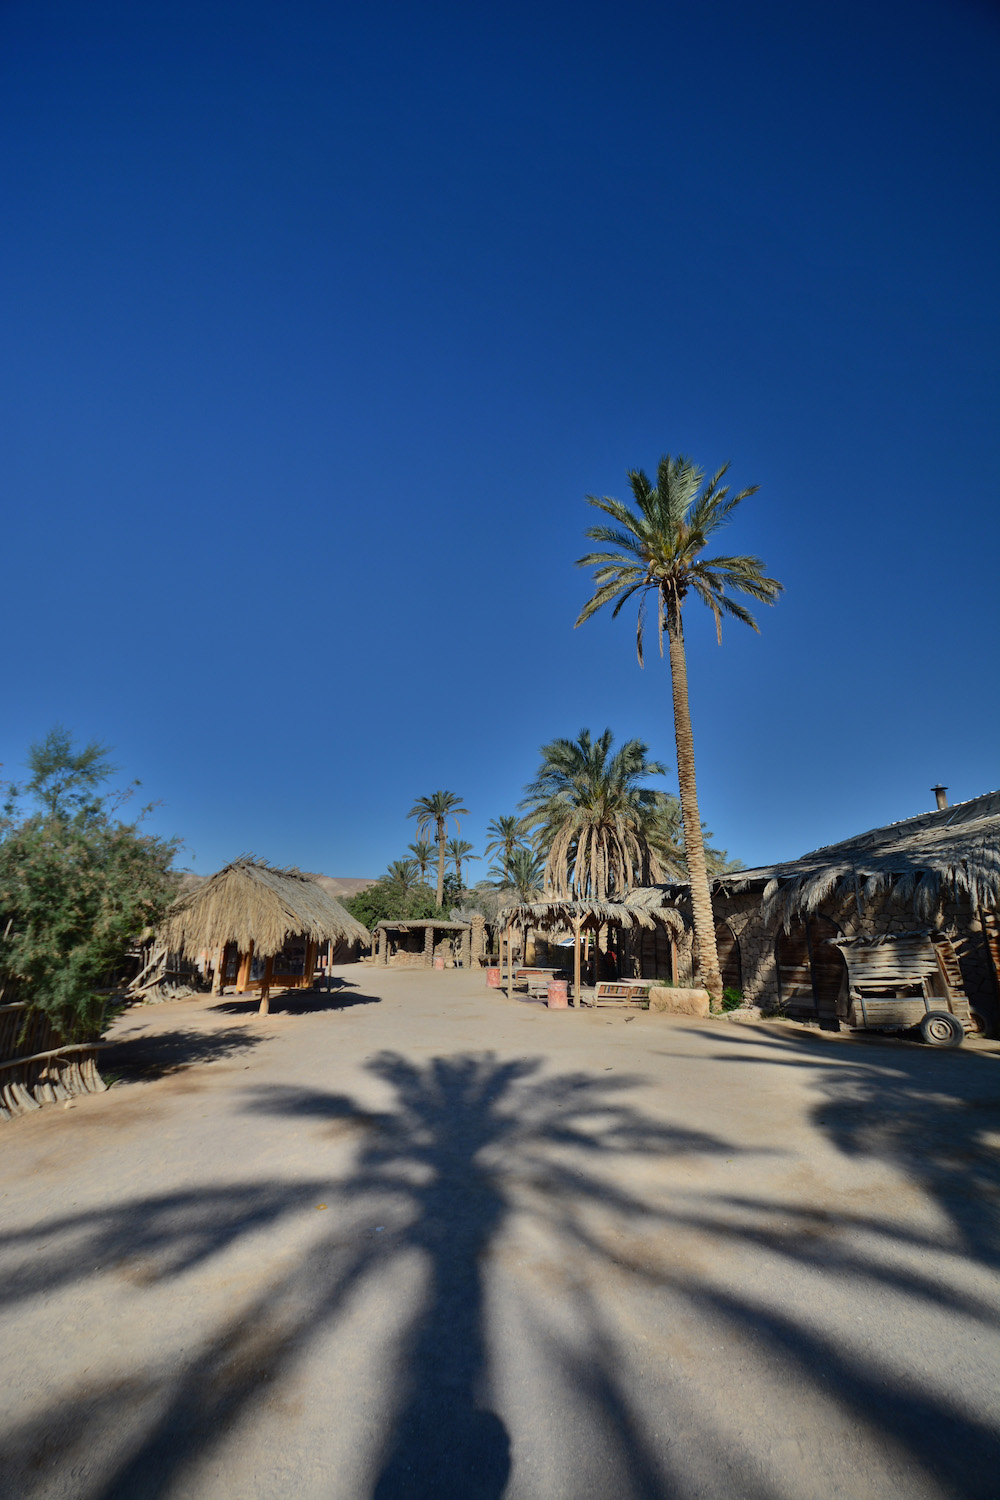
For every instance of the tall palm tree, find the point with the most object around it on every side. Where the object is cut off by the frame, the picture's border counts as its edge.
(459, 850)
(504, 835)
(423, 854)
(657, 549)
(432, 813)
(601, 828)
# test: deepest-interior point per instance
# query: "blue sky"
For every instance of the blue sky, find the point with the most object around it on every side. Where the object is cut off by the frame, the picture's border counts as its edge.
(319, 321)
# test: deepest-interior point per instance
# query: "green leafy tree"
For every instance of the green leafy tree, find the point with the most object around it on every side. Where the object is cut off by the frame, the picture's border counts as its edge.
(459, 851)
(78, 886)
(433, 813)
(600, 826)
(386, 901)
(656, 548)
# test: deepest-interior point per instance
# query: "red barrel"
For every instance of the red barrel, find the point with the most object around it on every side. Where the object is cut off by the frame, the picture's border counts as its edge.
(493, 978)
(558, 991)
(439, 963)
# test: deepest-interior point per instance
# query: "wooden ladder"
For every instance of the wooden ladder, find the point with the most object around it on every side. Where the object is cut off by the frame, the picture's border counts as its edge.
(991, 932)
(951, 973)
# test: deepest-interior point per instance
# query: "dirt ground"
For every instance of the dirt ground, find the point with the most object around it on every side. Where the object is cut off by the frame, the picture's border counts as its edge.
(413, 1239)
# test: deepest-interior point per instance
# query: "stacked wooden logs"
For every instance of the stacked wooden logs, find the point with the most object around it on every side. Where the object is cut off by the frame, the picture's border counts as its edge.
(35, 1069)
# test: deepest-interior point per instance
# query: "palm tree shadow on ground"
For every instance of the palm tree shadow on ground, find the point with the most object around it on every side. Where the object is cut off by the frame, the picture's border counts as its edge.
(459, 1126)
(462, 1142)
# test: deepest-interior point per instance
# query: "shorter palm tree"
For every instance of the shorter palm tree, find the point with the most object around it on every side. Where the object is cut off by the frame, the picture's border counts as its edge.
(433, 812)
(523, 874)
(600, 826)
(504, 835)
(403, 873)
(423, 854)
(459, 850)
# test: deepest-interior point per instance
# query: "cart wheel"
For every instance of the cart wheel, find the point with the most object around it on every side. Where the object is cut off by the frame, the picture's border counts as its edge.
(979, 1023)
(940, 1028)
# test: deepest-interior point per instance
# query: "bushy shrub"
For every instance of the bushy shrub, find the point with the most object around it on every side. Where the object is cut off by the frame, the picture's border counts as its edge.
(78, 886)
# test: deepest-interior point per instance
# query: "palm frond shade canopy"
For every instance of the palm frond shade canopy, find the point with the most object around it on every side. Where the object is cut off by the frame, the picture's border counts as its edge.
(657, 548)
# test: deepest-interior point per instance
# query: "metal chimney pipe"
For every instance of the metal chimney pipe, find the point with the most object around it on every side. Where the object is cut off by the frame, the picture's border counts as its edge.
(941, 793)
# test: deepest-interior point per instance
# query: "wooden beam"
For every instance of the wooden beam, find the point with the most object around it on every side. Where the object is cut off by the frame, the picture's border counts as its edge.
(246, 961)
(265, 986)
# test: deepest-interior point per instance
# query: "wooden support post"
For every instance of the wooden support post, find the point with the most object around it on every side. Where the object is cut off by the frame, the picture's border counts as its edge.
(265, 986)
(577, 921)
(220, 959)
(467, 948)
(429, 947)
(243, 978)
(309, 968)
(510, 962)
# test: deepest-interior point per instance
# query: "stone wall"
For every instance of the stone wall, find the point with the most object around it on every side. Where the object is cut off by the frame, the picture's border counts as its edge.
(884, 915)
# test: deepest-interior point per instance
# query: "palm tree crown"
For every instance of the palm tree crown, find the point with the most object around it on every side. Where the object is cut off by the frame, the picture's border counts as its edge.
(403, 873)
(432, 813)
(523, 874)
(658, 548)
(602, 829)
(504, 835)
(423, 853)
(458, 851)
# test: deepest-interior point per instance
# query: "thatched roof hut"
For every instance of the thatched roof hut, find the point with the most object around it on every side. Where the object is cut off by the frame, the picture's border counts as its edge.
(251, 911)
(952, 850)
(256, 907)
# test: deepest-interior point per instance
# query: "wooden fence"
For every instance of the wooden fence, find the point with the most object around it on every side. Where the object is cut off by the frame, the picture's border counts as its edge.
(35, 1068)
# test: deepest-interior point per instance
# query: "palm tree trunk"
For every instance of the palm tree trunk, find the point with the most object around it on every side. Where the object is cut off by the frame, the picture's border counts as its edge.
(694, 847)
(441, 834)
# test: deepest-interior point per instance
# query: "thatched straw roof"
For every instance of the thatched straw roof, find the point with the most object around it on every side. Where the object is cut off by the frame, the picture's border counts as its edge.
(250, 901)
(954, 850)
(641, 908)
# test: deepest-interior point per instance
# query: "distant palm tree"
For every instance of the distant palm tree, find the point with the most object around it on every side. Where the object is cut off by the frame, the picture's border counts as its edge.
(657, 548)
(433, 812)
(603, 831)
(457, 851)
(504, 835)
(523, 874)
(403, 873)
(423, 854)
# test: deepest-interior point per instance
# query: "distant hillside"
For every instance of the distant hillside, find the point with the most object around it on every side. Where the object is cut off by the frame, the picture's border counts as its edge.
(340, 885)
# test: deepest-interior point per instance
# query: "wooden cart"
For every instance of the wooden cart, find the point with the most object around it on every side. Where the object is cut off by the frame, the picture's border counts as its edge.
(906, 981)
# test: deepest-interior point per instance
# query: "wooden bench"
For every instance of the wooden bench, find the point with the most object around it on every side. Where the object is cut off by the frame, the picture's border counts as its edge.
(622, 992)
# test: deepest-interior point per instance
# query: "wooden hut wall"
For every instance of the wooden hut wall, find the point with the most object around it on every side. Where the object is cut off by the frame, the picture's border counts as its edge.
(650, 952)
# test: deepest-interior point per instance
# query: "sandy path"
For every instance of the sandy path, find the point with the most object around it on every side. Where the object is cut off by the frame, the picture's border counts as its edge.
(423, 1241)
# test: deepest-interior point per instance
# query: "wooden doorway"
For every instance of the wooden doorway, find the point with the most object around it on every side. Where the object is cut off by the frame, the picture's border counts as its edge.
(811, 971)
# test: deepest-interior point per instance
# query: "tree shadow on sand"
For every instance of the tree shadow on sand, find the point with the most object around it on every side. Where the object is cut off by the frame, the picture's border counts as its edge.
(156, 1054)
(464, 1144)
(298, 1002)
